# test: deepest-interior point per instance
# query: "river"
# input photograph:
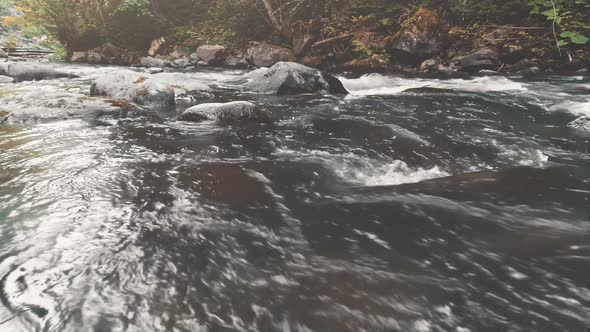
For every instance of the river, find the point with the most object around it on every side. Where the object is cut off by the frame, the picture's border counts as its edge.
(411, 204)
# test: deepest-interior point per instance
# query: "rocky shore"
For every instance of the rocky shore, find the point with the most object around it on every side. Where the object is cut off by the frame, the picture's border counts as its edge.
(425, 46)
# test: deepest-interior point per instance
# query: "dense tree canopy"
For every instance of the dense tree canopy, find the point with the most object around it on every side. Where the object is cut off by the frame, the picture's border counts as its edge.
(81, 24)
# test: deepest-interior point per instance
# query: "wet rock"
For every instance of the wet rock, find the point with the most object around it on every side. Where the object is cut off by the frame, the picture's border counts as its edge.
(110, 52)
(95, 58)
(426, 35)
(159, 90)
(151, 62)
(31, 72)
(40, 106)
(266, 55)
(193, 58)
(229, 113)
(133, 87)
(154, 70)
(485, 58)
(514, 53)
(212, 54)
(181, 63)
(79, 57)
(237, 60)
(428, 65)
(292, 78)
(6, 79)
(582, 123)
(155, 46)
(529, 71)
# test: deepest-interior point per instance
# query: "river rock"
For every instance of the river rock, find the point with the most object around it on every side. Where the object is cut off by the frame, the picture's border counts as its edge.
(181, 63)
(135, 88)
(428, 65)
(31, 72)
(266, 55)
(529, 71)
(3, 54)
(423, 37)
(151, 62)
(6, 79)
(236, 60)
(285, 78)
(512, 53)
(212, 54)
(233, 112)
(155, 46)
(95, 58)
(158, 90)
(582, 123)
(485, 58)
(79, 57)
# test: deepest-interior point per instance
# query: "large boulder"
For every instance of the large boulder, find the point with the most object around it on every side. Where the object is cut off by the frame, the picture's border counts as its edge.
(134, 87)
(582, 123)
(226, 113)
(31, 72)
(292, 78)
(485, 58)
(212, 54)
(157, 90)
(266, 55)
(425, 35)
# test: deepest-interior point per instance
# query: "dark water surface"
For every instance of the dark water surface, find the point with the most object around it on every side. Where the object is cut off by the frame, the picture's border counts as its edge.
(458, 205)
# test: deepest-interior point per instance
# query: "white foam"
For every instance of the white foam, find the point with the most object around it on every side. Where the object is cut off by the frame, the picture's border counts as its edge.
(376, 84)
(368, 172)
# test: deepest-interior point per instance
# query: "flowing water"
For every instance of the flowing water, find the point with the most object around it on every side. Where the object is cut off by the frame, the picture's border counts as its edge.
(409, 205)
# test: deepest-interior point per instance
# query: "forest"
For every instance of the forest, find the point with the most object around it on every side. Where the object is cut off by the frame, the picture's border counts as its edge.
(298, 24)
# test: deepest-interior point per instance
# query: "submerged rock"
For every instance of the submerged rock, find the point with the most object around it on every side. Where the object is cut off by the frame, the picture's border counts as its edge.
(292, 78)
(266, 55)
(233, 112)
(36, 106)
(31, 72)
(582, 123)
(212, 54)
(6, 79)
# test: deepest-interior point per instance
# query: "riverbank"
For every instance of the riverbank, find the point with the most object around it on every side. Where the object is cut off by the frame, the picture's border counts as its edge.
(426, 45)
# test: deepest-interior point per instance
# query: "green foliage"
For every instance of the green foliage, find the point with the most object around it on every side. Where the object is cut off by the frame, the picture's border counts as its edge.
(83, 24)
(4, 5)
(569, 16)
